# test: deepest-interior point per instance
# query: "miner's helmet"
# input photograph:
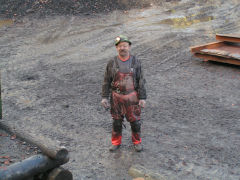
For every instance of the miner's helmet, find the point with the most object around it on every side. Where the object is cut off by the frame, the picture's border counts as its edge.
(122, 38)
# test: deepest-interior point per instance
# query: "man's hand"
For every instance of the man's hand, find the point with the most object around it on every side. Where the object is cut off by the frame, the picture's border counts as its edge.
(142, 103)
(105, 103)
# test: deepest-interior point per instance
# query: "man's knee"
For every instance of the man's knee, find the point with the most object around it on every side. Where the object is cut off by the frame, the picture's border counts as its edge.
(117, 125)
(136, 126)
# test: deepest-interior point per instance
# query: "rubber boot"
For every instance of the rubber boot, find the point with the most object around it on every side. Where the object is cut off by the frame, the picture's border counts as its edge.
(113, 148)
(138, 147)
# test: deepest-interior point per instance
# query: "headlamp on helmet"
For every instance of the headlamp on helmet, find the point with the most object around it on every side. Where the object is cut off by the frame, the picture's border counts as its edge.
(122, 38)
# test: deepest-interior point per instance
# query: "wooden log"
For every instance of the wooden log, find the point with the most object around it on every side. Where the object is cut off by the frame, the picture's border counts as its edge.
(60, 174)
(29, 167)
(47, 147)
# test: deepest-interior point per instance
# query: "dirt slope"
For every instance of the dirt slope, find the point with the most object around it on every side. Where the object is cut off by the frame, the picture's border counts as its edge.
(52, 70)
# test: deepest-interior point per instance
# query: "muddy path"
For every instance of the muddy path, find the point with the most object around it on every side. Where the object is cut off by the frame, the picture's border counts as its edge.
(52, 70)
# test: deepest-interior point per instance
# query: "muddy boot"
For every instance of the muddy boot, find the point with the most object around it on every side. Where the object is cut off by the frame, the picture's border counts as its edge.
(138, 147)
(114, 148)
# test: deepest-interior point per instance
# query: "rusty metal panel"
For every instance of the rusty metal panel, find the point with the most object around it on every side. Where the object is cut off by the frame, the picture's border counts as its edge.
(223, 51)
(228, 37)
(211, 45)
(207, 57)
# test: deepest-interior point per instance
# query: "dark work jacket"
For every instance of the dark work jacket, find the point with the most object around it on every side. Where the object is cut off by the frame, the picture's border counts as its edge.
(138, 78)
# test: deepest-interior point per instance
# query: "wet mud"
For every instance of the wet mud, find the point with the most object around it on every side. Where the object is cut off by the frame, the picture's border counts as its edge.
(52, 70)
(14, 150)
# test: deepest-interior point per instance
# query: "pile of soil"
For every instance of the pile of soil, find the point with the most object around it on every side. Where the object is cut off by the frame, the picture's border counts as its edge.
(42, 8)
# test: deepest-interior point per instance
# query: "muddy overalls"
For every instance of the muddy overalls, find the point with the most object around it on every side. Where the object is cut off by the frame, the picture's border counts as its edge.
(124, 103)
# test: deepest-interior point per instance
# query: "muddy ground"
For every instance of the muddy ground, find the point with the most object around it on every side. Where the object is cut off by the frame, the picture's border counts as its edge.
(52, 69)
(14, 150)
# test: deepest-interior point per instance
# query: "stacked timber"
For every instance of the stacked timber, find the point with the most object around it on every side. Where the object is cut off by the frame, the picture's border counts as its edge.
(45, 166)
(226, 49)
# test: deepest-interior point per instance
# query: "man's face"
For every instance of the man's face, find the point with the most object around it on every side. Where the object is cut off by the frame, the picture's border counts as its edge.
(123, 49)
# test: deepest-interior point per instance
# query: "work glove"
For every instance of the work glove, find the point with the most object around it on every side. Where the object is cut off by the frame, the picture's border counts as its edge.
(105, 103)
(142, 103)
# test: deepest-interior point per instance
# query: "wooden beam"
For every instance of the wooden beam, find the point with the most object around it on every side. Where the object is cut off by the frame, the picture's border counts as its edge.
(49, 148)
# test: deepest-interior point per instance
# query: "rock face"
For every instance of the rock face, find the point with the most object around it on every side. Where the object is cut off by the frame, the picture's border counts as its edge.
(42, 8)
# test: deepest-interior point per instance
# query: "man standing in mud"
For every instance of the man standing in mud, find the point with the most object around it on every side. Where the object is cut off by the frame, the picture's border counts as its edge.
(125, 83)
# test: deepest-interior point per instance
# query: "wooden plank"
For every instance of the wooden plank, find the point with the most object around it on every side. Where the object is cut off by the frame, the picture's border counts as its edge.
(47, 146)
(228, 38)
(212, 45)
(207, 57)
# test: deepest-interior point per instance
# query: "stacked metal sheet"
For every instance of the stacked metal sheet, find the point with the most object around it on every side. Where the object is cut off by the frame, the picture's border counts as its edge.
(226, 49)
